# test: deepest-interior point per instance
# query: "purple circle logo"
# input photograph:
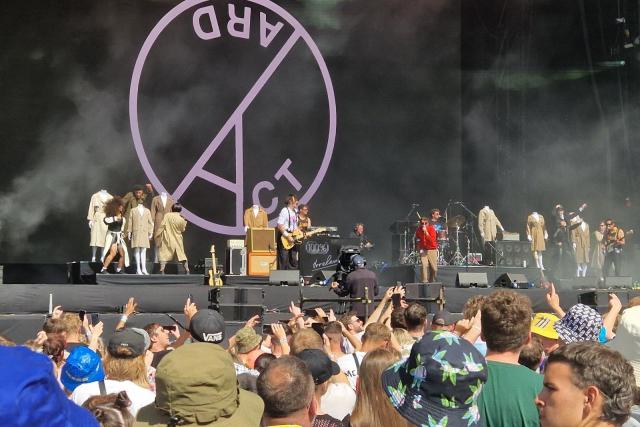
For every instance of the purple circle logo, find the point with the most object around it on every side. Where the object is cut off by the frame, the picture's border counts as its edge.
(205, 25)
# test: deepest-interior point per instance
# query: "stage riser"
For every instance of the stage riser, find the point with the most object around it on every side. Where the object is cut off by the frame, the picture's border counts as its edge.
(79, 272)
(21, 327)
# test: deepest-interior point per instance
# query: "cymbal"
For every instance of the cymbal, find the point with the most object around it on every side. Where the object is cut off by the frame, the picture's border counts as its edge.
(456, 221)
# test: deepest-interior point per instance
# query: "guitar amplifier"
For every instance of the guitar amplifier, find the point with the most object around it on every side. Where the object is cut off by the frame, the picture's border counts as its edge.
(261, 264)
(261, 240)
(235, 244)
(509, 236)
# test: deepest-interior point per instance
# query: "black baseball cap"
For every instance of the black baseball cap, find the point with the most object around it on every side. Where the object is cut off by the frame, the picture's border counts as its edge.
(207, 326)
(322, 368)
(134, 339)
(444, 318)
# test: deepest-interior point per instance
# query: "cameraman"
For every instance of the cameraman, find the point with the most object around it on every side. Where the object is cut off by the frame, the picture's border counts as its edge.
(355, 283)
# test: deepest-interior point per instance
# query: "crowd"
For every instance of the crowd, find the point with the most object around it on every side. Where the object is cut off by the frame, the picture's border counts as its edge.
(498, 364)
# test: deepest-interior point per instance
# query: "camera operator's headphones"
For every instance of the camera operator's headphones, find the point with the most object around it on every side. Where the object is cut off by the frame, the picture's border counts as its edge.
(358, 261)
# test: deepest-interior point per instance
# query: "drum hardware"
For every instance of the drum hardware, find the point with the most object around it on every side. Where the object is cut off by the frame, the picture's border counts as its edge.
(457, 258)
(457, 221)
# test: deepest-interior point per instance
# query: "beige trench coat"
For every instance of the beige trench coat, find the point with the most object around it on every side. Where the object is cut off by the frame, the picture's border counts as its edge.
(537, 230)
(140, 227)
(488, 224)
(158, 211)
(96, 215)
(597, 259)
(259, 221)
(581, 238)
(172, 227)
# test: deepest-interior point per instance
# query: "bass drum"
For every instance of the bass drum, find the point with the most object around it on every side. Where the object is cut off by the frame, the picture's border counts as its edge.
(441, 232)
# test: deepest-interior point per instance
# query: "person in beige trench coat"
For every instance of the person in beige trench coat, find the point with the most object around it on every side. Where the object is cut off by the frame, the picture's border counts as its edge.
(140, 231)
(172, 227)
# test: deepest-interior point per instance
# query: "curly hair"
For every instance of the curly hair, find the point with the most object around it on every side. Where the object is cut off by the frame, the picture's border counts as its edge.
(506, 320)
(593, 364)
(112, 207)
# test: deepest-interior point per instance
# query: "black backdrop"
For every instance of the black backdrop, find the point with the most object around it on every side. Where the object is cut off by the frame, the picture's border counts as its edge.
(516, 104)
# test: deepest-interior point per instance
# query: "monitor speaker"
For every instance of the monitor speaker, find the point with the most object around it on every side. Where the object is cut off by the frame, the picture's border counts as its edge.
(625, 282)
(284, 277)
(476, 280)
(576, 283)
(512, 280)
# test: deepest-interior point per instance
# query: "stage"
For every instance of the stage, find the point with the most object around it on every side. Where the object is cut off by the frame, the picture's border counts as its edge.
(23, 306)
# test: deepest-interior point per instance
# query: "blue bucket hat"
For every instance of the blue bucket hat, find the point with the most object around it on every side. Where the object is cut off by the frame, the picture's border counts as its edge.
(31, 395)
(440, 382)
(82, 366)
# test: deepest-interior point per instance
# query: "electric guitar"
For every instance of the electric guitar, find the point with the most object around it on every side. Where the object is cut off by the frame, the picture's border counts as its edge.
(214, 276)
(299, 236)
(611, 241)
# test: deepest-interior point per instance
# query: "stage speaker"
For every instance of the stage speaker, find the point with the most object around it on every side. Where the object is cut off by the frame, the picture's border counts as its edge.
(625, 282)
(513, 254)
(600, 299)
(576, 283)
(260, 264)
(422, 290)
(261, 240)
(476, 280)
(242, 313)
(236, 295)
(512, 280)
(236, 261)
(284, 277)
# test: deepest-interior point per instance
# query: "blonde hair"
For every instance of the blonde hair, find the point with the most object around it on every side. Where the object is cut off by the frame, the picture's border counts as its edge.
(405, 340)
(305, 339)
(373, 407)
(376, 332)
(122, 369)
(73, 325)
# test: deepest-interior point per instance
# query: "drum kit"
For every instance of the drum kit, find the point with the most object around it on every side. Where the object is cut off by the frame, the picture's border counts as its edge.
(453, 234)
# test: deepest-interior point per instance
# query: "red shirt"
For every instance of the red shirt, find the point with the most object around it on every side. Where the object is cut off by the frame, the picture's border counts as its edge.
(426, 237)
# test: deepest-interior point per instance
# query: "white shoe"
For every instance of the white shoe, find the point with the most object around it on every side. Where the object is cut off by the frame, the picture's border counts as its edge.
(145, 272)
(138, 271)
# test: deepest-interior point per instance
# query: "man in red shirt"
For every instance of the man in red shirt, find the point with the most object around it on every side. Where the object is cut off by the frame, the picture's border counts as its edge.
(427, 243)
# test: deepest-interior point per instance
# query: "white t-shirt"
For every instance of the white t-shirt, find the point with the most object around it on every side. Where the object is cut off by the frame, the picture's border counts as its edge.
(338, 401)
(347, 365)
(288, 218)
(139, 396)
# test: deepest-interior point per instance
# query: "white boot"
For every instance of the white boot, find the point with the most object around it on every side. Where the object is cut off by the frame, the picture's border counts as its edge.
(137, 255)
(540, 262)
(143, 260)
